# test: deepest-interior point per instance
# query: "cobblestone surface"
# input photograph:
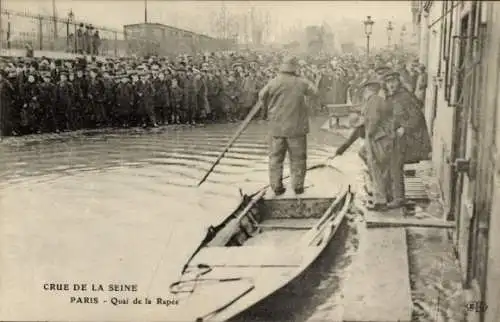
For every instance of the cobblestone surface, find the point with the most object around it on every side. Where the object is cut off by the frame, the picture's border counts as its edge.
(434, 270)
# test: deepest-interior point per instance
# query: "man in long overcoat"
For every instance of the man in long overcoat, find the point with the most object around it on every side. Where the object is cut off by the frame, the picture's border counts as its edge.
(249, 94)
(65, 110)
(288, 113)
(160, 96)
(47, 114)
(379, 138)
(412, 142)
(144, 91)
(124, 101)
(96, 95)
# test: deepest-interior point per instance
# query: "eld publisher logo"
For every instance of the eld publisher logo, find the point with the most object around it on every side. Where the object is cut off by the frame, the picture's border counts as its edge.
(477, 306)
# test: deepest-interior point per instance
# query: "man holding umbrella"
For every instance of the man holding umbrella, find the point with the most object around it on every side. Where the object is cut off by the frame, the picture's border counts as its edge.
(288, 114)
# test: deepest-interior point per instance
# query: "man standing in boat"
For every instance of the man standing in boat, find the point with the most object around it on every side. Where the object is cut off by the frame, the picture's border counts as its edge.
(284, 99)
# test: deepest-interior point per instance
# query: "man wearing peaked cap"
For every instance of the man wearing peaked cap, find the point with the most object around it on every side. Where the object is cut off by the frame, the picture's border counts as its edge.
(283, 98)
(395, 76)
(390, 75)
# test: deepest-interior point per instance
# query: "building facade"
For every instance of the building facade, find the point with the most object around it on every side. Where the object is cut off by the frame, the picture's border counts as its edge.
(460, 47)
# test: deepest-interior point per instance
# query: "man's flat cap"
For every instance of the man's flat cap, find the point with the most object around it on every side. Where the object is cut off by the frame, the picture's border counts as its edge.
(391, 75)
(370, 83)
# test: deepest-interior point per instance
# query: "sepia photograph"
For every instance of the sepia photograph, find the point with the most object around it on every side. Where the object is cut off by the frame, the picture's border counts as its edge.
(195, 161)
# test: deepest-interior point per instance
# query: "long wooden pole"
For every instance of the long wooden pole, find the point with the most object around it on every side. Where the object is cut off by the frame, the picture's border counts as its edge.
(242, 128)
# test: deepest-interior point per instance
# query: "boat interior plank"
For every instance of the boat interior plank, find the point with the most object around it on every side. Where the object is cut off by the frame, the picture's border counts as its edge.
(292, 223)
(244, 272)
(275, 237)
(378, 286)
(295, 208)
(248, 256)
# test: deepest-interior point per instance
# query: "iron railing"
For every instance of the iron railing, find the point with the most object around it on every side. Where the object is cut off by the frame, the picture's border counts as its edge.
(49, 33)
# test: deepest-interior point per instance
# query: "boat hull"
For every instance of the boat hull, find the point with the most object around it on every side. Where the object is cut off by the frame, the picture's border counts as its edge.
(259, 249)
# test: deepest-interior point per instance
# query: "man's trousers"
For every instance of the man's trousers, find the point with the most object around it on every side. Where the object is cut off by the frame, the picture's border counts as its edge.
(297, 151)
(397, 171)
(385, 164)
(379, 153)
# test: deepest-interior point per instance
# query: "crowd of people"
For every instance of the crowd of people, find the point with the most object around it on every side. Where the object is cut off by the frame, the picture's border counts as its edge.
(40, 95)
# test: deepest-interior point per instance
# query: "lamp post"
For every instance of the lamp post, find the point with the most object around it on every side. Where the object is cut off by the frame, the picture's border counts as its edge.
(402, 35)
(390, 28)
(368, 31)
(71, 16)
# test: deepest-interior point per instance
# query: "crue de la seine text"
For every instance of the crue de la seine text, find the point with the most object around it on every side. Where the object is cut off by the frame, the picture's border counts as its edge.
(105, 288)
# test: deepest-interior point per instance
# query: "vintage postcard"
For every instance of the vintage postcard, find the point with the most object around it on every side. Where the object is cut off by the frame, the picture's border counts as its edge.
(249, 160)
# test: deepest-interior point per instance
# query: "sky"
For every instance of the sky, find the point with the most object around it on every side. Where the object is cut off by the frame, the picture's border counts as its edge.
(199, 15)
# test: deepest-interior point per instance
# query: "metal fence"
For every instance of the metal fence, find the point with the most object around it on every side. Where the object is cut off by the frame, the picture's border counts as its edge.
(48, 33)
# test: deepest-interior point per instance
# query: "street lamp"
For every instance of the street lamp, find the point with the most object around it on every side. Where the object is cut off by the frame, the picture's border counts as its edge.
(71, 16)
(390, 28)
(368, 31)
(402, 35)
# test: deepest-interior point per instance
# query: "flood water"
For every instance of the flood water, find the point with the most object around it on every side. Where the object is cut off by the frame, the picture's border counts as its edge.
(122, 207)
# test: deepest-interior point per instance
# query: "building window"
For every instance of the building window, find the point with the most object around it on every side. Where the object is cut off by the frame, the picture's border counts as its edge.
(444, 31)
(449, 51)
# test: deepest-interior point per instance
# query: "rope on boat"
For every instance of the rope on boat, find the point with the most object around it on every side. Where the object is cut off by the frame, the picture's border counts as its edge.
(206, 269)
(173, 286)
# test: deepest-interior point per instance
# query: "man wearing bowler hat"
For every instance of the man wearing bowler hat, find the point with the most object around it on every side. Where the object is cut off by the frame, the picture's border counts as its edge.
(284, 99)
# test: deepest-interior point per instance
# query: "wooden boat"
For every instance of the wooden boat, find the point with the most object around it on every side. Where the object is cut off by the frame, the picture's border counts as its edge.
(259, 248)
